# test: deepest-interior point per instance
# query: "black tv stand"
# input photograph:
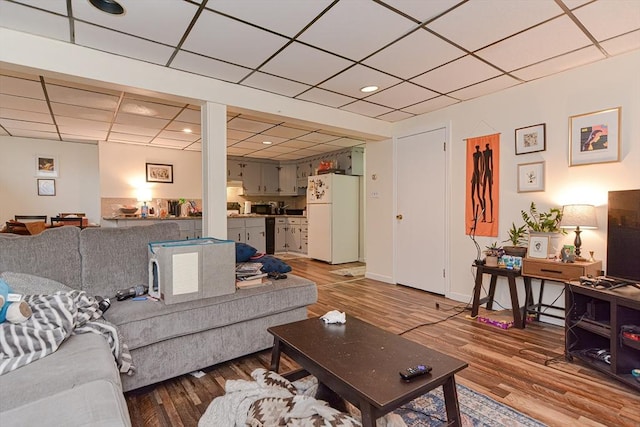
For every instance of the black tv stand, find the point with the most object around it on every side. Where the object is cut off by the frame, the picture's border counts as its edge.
(593, 321)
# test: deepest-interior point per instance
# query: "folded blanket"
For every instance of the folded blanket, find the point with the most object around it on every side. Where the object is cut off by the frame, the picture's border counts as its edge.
(55, 318)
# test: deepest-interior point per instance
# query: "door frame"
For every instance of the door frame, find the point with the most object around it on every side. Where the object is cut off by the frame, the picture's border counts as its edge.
(447, 205)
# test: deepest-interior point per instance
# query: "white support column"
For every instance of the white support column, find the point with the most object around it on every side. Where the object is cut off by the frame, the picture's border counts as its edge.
(214, 170)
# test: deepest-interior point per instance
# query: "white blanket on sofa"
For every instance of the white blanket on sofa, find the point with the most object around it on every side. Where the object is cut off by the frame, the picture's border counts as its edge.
(55, 318)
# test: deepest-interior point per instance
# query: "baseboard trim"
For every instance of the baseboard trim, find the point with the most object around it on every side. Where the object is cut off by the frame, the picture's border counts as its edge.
(379, 277)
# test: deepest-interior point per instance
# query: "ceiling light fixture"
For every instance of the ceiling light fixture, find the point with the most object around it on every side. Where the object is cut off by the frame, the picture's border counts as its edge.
(187, 130)
(368, 89)
(109, 6)
(267, 142)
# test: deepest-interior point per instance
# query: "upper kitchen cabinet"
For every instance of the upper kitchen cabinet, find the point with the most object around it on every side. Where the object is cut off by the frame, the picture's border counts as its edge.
(351, 160)
(288, 179)
(260, 178)
(235, 169)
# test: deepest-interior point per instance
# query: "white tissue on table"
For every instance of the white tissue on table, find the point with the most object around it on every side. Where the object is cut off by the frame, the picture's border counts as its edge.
(334, 316)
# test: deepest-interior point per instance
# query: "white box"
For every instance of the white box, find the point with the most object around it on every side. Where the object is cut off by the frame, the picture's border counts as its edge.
(186, 270)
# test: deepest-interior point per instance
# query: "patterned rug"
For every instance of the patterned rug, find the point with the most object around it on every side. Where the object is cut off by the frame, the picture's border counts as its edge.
(350, 272)
(476, 410)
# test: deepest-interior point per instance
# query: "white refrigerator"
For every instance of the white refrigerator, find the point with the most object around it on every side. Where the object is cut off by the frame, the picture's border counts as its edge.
(333, 216)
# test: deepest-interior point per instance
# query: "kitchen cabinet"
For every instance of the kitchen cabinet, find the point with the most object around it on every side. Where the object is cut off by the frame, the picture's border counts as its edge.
(351, 160)
(291, 234)
(288, 180)
(235, 169)
(248, 230)
(281, 234)
(294, 242)
(260, 178)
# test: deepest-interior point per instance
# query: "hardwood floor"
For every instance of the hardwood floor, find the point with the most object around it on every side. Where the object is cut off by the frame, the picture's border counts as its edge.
(520, 368)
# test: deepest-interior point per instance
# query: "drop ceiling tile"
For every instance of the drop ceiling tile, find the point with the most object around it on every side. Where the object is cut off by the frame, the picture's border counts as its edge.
(289, 156)
(542, 42)
(418, 52)
(560, 63)
(169, 143)
(250, 145)
(262, 137)
(572, 4)
(431, 105)
(238, 135)
(259, 118)
(282, 16)
(29, 116)
(350, 82)
(181, 126)
(21, 87)
(81, 139)
(295, 143)
(476, 24)
(196, 146)
(142, 121)
(249, 46)
(205, 66)
(83, 132)
(366, 108)
(75, 85)
(254, 126)
(367, 26)
(305, 64)
(237, 151)
(121, 44)
(190, 116)
(81, 112)
(401, 95)
(81, 123)
(274, 84)
(181, 136)
(24, 133)
(455, 75)
(3, 132)
(156, 100)
(33, 21)
(24, 104)
(84, 98)
(346, 142)
(318, 137)
(606, 19)
(422, 10)
(55, 6)
(21, 124)
(278, 149)
(321, 148)
(135, 130)
(626, 43)
(285, 132)
(148, 109)
(488, 86)
(395, 116)
(125, 137)
(263, 154)
(162, 21)
(324, 97)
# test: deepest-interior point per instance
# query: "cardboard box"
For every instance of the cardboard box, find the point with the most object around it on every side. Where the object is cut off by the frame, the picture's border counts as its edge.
(186, 270)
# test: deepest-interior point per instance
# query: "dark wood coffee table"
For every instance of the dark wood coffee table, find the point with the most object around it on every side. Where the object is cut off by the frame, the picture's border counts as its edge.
(360, 362)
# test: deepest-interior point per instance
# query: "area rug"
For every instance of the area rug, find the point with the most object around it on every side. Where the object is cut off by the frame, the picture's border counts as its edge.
(476, 410)
(350, 272)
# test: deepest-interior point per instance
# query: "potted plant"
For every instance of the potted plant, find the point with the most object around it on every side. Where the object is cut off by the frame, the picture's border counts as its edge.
(545, 223)
(492, 253)
(518, 240)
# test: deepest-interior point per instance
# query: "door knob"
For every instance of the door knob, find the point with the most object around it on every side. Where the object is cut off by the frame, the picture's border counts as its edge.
(399, 216)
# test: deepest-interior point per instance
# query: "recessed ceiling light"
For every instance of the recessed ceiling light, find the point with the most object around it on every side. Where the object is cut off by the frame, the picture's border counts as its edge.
(187, 130)
(368, 89)
(109, 6)
(267, 142)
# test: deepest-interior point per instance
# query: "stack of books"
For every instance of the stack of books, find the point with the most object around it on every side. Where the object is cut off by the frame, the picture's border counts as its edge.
(249, 275)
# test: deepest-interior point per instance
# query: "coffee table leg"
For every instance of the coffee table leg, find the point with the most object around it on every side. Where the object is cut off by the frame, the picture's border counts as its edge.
(275, 355)
(451, 402)
(367, 416)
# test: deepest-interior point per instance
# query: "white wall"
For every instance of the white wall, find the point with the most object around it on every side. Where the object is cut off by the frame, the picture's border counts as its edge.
(611, 83)
(77, 185)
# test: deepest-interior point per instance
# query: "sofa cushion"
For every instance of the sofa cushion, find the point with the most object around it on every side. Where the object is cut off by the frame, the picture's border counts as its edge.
(80, 359)
(117, 258)
(271, 264)
(244, 252)
(29, 284)
(53, 253)
(146, 322)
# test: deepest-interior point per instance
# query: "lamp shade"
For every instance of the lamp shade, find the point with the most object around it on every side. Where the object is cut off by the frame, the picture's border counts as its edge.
(144, 194)
(583, 216)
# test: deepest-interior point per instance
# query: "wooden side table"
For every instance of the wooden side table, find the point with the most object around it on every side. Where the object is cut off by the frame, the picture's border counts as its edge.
(519, 314)
(555, 271)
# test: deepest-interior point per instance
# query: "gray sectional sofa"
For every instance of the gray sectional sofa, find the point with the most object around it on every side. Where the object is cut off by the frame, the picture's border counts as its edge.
(79, 384)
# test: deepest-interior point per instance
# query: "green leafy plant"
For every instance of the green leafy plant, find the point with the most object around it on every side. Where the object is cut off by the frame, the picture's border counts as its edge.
(544, 222)
(517, 235)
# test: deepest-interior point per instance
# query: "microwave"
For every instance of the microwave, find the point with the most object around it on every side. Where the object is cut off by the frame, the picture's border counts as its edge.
(261, 209)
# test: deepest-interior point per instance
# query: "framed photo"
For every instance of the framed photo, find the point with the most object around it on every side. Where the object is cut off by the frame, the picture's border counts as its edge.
(531, 139)
(46, 166)
(595, 137)
(538, 247)
(158, 172)
(46, 187)
(568, 253)
(530, 177)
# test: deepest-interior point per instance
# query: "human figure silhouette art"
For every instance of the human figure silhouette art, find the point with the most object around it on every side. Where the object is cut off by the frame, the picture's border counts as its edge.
(476, 178)
(487, 182)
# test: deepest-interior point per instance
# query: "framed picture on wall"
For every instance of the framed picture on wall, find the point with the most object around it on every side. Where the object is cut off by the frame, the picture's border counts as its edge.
(538, 246)
(531, 139)
(158, 172)
(530, 177)
(46, 166)
(46, 187)
(595, 137)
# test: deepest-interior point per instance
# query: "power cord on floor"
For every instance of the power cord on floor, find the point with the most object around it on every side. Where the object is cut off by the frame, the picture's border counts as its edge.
(437, 321)
(426, 414)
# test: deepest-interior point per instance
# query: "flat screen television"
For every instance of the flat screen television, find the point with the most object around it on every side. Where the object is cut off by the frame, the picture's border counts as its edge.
(623, 235)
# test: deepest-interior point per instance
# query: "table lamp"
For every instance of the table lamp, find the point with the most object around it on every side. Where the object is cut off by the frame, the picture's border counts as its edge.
(144, 195)
(576, 216)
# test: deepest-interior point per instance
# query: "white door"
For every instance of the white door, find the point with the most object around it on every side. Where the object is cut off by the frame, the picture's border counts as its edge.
(421, 208)
(319, 231)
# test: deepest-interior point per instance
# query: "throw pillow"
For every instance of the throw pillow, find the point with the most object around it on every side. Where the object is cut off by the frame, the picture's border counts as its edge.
(272, 264)
(28, 284)
(244, 252)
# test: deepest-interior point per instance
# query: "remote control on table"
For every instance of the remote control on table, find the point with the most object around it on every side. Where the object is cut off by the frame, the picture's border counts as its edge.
(415, 371)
